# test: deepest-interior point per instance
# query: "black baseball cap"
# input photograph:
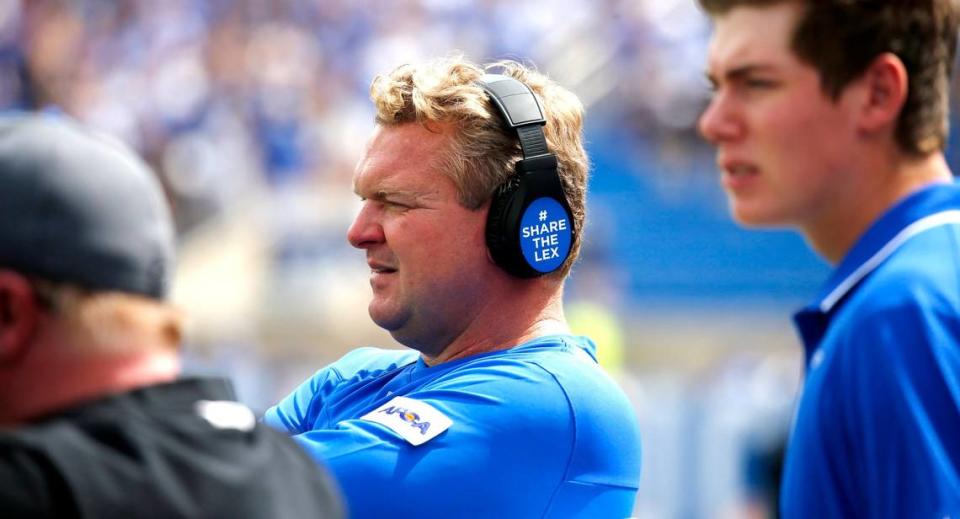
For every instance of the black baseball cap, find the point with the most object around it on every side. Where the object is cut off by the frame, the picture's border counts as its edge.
(79, 207)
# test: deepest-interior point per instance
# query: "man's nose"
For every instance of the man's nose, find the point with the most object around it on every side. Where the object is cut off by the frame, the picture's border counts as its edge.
(720, 122)
(366, 230)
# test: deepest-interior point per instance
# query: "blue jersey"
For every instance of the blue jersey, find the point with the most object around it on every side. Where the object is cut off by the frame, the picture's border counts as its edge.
(877, 431)
(538, 430)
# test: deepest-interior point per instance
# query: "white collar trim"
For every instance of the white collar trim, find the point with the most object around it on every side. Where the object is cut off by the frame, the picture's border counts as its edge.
(929, 222)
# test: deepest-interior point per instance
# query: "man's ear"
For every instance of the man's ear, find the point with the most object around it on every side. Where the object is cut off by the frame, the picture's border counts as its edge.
(885, 84)
(19, 313)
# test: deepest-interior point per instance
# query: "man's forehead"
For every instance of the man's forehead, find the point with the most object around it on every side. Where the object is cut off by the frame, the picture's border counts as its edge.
(395, 164)
(752, 36)
(373, 178)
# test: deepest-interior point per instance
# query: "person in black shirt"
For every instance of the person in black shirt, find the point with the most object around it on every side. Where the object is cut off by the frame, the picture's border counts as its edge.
(95, 419)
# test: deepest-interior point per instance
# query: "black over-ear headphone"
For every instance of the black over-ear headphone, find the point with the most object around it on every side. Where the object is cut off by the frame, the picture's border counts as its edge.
(529, 228)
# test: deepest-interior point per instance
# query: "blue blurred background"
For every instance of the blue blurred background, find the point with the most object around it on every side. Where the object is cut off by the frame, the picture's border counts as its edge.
(254, 113)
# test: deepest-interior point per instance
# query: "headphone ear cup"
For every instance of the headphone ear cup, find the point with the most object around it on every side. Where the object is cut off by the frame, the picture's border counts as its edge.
(499, 241)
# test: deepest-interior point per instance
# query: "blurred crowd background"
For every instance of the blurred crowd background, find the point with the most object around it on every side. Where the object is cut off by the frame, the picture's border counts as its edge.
(254, 112)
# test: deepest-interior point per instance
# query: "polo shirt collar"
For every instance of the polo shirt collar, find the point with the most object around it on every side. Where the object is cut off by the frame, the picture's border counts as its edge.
(929, 207)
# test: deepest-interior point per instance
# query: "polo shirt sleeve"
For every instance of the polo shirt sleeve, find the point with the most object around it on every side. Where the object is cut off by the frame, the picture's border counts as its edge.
(901, 411)
(508, 429)
(298, 411)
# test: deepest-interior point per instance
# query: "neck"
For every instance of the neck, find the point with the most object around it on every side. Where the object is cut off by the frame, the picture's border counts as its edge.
(46, 385)
(877, 189)
(531, 312)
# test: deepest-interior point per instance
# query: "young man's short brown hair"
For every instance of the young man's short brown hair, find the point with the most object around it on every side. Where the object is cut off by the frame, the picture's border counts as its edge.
(840, 38)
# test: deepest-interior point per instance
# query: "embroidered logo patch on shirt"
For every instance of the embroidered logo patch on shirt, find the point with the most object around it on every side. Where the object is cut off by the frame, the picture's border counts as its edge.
(416, 421)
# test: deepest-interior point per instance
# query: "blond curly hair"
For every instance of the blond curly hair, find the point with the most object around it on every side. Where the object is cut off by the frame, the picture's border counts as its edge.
(482, 152)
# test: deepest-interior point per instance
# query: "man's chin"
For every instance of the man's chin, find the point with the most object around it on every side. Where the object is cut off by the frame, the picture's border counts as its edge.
(401, 327)
(389, 319)
(756, 218)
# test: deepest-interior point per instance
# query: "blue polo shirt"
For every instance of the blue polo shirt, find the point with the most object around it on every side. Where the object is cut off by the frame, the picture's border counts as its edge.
(877, 431)
(538, 430)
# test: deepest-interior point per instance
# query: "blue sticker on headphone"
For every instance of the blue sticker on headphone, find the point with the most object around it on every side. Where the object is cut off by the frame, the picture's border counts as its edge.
(545, 234)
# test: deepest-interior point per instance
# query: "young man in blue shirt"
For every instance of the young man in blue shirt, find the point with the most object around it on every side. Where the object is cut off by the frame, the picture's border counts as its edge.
(473, 189)
(831, 117)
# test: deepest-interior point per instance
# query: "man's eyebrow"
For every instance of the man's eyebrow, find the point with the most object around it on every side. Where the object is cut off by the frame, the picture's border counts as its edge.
(392, 194)
(739, 72)
(376, 191)
(379, 194)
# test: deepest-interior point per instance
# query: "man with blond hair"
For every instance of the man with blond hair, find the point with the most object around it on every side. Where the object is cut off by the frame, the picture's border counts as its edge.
(94, 418)
(473, 188)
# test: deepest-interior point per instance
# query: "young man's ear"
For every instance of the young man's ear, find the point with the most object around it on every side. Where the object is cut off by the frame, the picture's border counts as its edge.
(19, 313)
(885, 84)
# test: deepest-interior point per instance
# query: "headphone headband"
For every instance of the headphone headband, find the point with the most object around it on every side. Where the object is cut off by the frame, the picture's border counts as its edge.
(521, 110)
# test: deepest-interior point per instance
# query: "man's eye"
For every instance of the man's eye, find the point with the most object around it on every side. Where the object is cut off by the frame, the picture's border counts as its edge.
(711, 84)
(396, 206)
(759, 83)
